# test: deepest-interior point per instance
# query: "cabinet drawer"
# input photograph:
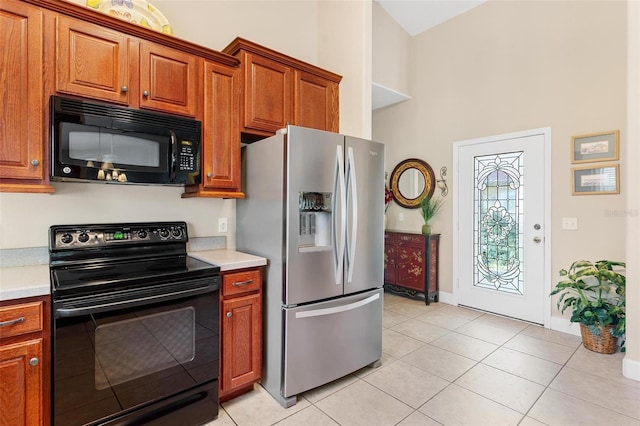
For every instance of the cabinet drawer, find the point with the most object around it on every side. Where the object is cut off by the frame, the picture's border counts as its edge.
(410, 239)
(20, 319)
(241, 282)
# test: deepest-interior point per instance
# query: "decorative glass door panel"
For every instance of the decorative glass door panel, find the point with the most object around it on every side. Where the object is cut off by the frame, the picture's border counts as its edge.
(498, 211)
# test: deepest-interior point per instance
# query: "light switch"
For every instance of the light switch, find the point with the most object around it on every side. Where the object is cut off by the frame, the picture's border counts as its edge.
(400, 217)
(570, 223)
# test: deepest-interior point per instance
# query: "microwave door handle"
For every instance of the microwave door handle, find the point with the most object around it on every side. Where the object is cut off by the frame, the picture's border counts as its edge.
(174, 155)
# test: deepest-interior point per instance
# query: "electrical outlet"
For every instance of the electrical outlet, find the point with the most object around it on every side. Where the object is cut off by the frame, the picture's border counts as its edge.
(570, 223)
(222, 224)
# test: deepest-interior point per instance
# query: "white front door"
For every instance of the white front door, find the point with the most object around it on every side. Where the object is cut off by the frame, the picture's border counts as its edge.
(502, 215)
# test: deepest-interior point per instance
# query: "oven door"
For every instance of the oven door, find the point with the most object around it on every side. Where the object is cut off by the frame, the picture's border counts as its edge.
(137, 358)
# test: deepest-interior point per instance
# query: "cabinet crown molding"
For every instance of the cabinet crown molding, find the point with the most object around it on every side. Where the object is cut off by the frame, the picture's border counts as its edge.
(80, 12)
(240, 43)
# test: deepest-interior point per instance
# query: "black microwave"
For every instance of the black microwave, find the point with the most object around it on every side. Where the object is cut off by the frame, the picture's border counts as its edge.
(98, 142)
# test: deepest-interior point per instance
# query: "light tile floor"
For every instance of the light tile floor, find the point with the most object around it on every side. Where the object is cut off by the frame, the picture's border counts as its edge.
(447, 365)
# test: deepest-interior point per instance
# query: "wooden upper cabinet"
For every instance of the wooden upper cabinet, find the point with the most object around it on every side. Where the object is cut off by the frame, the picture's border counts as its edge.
(92, 61)
(168, 79)
(220, 135)
(267, 93)
(280, 90)
(104, 64)
(316, 102)
(22, 160)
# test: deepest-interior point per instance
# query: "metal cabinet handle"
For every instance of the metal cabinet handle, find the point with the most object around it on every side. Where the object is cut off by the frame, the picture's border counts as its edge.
(11, 322)
(34, 361)
(145, 93)
(209, 175)
(229, 314)
(124, 89)
(241, 283)
(35, 162)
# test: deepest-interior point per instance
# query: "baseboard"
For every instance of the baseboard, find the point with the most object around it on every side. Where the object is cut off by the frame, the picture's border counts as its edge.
(564, 325)
(446, 298)
(630, 368)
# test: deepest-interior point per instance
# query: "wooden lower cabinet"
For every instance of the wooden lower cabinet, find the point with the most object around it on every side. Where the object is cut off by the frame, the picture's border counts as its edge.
(241, 331)
(24, 362)
(411, 264)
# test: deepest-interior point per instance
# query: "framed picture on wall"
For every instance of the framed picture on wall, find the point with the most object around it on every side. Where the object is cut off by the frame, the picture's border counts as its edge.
(596, 180)
(595, 147)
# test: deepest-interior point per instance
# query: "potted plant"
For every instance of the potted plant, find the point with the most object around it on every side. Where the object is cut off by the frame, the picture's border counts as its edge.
(429, 206)
(595, 291)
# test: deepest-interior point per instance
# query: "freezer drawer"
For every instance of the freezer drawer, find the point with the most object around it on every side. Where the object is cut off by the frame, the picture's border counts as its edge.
(327, 340)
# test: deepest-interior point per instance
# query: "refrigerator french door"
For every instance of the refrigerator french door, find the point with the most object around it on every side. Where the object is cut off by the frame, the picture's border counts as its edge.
(314, 207)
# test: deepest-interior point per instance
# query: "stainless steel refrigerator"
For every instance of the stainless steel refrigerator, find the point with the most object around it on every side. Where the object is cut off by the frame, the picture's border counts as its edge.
(314, 208)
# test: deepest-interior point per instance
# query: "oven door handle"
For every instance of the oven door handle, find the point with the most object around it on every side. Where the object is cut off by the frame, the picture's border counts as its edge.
(64, 309)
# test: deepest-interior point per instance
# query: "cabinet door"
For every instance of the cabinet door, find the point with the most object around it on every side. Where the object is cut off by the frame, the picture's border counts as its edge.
(92, 61)
(21, 141)
(411, 266)
(221, 135)
(315, 102)
(241, 341)
(21, 390)
(267, 94)
(390, 262)
(168, 79)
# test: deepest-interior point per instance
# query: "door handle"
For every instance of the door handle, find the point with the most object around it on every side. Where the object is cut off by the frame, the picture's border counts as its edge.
(352, 184)
(537, 240)
(241, 283)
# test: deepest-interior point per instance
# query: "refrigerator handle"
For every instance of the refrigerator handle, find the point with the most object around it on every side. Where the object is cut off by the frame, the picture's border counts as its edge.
(353, 186)
(338, 229)
(337, 309)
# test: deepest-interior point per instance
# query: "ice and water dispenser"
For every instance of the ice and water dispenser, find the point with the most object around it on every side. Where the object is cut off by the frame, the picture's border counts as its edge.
(315, 221)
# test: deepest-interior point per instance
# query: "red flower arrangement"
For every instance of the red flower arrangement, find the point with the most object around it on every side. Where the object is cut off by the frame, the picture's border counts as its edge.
(388, 197)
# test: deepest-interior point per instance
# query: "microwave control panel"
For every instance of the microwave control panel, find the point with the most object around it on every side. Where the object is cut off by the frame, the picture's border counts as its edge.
(187, 157)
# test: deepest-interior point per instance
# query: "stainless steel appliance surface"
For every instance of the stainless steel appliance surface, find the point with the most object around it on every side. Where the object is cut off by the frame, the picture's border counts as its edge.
(135, 326)
(314, 207)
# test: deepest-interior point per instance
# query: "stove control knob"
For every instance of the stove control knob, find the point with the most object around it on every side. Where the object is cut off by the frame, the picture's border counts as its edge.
(142, 234)
(66, 238)
(83, 238)
(176, 232)
(164, 232)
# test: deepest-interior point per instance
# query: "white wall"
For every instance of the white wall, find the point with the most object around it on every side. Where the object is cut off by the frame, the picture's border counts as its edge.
(391, 57)
(631, 363)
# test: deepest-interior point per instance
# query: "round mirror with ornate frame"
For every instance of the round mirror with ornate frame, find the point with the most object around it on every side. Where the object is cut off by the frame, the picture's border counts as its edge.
(412, 180)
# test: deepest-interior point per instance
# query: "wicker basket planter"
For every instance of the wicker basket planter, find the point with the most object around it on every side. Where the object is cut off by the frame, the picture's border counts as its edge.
(604, 343)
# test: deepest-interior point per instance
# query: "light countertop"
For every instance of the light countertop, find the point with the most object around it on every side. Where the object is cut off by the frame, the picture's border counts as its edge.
(24, 281)
(229, 260)
(33, 280)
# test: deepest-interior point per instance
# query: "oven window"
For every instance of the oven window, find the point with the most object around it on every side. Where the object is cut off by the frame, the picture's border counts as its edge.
(162, 340)
(115, 148)
(109, 362)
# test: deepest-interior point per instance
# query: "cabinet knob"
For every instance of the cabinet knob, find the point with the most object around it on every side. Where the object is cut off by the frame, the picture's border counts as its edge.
(124, 89)
(229, 314)
(35, 162)
(145, 93)
(209, 175)
(34, 361)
